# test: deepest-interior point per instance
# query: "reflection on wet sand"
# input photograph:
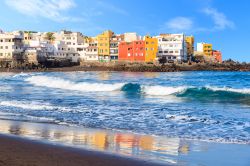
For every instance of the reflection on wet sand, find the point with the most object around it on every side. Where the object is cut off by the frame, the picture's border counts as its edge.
(140, 146)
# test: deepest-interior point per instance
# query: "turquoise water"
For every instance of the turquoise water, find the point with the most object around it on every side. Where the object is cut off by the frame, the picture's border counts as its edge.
(209, 106)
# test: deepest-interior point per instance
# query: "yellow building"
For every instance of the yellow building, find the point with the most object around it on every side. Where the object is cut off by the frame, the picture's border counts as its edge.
(151, 46)
(206, 48)
(104, 45)
(190, 46)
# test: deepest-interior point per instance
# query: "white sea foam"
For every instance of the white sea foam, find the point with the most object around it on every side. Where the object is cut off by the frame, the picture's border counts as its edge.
(243, 91)
(33, 105)
(59, 83)
(162, 90)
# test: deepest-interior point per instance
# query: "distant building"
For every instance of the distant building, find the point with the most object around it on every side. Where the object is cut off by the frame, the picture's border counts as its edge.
(132, 51)
(131, 36)
(89, 52)
(172, 47)
(190, 46)
(104, 45)
(11, 46)
(67, 44)
(151, 47)
(217, 56)
(114, 44)
(206, 48)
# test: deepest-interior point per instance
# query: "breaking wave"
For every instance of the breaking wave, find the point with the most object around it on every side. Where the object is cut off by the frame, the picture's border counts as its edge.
(134, 88)
(59, 83)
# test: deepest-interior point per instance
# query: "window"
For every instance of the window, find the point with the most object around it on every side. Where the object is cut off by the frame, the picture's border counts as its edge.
(176, 51)
(160, 52)
(1, 47)
(6, 47)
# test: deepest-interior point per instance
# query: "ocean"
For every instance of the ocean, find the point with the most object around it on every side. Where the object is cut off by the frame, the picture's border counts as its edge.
(199, 106)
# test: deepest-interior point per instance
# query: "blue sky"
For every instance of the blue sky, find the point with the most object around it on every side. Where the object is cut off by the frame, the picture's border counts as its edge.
(221, 22)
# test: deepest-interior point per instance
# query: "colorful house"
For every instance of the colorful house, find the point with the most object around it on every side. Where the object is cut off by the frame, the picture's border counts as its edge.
(190, 46)
(206, 48)
(103, 41)
(217, 56)
(132, 51)
(151, 48)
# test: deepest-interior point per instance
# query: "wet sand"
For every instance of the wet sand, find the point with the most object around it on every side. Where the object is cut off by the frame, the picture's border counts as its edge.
(44, 144)
(20, 152)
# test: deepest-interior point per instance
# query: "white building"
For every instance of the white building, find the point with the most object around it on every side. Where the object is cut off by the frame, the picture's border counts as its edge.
(11, 46)
(67, 44)
(172, 47)
(131, 36)
(89, 52)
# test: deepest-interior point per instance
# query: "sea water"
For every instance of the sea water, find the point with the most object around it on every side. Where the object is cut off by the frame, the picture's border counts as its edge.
(207, 106)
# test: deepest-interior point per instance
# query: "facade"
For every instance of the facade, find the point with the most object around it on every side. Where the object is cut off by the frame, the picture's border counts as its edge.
(172, 47)
(206, 48)
(103, 41)
(67, 43)
(190, 46)
(130, 37)
(151, 48)
(217, 56)
(114, 43)
(11, 46)
(132, 51)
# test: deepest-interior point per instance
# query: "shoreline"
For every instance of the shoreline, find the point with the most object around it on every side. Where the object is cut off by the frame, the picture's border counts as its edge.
(139, 67)
(27, 143)
(17, 151)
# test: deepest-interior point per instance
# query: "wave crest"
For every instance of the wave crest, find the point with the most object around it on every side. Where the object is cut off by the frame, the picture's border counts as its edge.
(59, 83)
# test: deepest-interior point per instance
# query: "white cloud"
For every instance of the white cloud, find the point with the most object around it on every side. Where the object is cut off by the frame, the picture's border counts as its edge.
(50, 9)
(179, 24)
(189, 25)
(220, 20)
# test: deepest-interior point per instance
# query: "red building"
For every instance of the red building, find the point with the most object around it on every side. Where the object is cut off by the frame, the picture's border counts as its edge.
(132, 51)
(217, 55)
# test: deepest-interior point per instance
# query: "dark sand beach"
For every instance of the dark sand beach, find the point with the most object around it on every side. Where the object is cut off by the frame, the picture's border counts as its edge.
(20, 152)
(34, 144)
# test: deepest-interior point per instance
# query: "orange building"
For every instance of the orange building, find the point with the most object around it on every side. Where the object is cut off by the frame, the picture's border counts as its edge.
(132, 51)
(151, 45)
(217, 56)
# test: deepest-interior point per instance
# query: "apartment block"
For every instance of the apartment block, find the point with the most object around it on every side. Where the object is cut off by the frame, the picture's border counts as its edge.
(151, 48)
(11, 46)
(206, 48)
(172, 47)
(89, 52)
(190, 46)
(114, 44)
(132, 51)
(104, 45)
